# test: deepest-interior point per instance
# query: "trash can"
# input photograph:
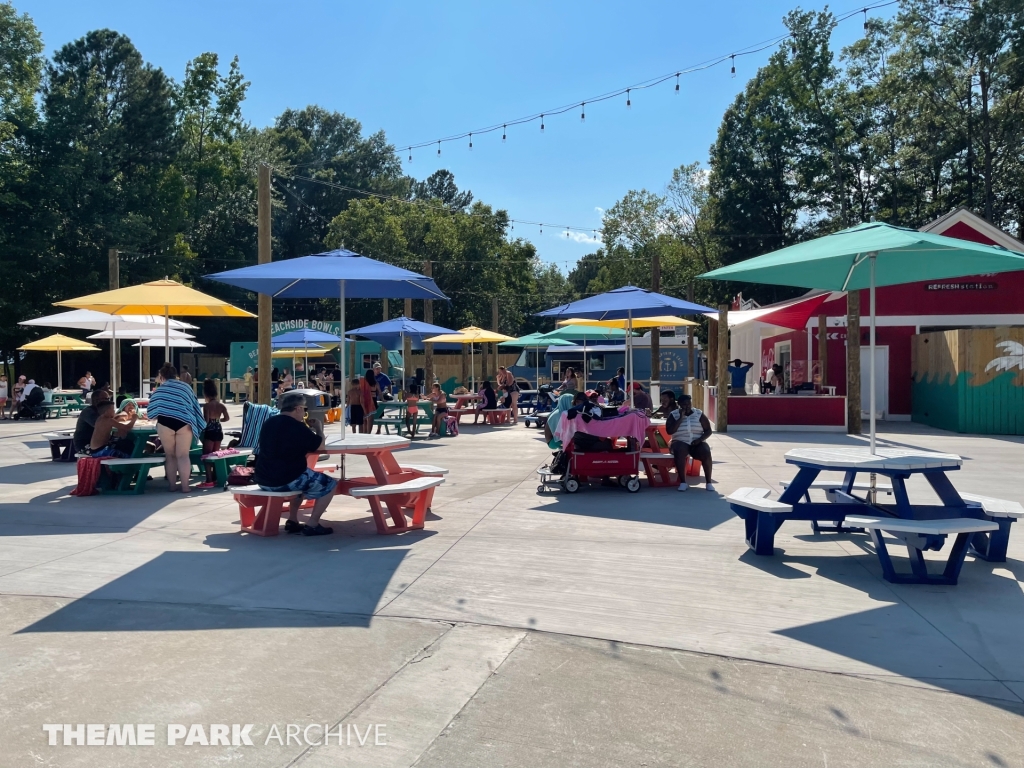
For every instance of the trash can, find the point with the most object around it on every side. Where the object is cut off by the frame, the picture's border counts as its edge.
(317, 403)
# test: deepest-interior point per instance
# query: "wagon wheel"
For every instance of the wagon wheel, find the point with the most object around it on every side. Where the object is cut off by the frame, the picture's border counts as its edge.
(633, 484)
(572, 485)
(623, 479)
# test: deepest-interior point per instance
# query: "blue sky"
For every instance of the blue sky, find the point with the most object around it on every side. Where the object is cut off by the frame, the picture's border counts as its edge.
(421, 71)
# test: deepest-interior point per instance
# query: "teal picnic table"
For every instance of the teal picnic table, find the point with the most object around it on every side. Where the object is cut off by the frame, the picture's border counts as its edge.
(130, 477)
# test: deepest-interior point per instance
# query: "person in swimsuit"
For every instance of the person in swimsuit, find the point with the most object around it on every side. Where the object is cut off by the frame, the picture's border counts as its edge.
(179, 420)
(437, 397)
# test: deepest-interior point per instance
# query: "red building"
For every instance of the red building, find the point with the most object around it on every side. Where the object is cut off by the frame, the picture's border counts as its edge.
(901, 312)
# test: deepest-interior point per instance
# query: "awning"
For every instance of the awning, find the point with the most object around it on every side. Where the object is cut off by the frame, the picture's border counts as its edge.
(786, 314)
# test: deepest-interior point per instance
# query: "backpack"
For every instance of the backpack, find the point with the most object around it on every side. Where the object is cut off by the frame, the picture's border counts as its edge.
(452, 425)
(560, 463)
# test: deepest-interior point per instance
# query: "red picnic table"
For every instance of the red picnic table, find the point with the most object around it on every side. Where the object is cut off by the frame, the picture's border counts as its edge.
(396, 487)
(659, 464)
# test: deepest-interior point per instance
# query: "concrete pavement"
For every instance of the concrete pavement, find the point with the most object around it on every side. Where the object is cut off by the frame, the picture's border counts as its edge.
(603, 628)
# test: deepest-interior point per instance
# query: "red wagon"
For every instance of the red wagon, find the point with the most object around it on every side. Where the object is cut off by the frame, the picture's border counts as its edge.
(622, 463)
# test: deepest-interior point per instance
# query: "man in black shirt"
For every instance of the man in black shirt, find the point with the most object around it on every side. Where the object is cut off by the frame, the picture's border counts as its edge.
(285, 440)
(87, 421)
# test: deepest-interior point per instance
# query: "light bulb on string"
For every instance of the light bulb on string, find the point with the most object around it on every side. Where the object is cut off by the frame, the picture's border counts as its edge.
(438, 148)
(733, 57)
(566, 231)
(410, 154)
(865, 19)
(471, 141)
(677, 83)
(628, 103)
(542, 123)
(542, 229)
(583, 113)
(503, 133)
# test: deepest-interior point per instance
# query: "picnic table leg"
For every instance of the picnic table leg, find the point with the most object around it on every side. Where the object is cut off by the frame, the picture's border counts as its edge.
(800, 486)
(991, 546)
(141, 478)
(760, 530)
(939, 481)
(383, 464)
(899, 492)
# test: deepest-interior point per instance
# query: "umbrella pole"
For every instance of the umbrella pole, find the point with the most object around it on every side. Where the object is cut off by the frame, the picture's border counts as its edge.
(344, 381)
(167, 336)
(472, 369)
(113, 360)
(536, 360)
(59, 377)
(629, 361)
(140, 367)
(305, 371)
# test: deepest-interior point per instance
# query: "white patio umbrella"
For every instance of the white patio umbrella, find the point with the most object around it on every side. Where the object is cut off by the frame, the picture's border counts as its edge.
(141, 333)
(90, 320)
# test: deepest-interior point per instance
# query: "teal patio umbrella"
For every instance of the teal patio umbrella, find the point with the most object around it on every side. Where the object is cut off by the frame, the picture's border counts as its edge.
(536, 340)
(868, 256)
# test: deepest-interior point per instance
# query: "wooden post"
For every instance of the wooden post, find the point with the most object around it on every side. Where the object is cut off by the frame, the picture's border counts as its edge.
(407, 350)
(691, 360)
(465, 366)
(113, 275)
(853, 417)
(494, 327)
(655, 335)
(428, 347)
(722, 403)
(712, 352)
(265, 303)
(383, 349)
(823, 348)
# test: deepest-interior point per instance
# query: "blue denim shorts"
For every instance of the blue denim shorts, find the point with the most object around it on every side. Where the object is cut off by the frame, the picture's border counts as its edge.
(312, 485)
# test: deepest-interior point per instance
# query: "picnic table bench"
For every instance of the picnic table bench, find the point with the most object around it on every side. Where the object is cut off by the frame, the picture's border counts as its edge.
(920, 536)
(62, 445)
(128, 475)
(260, 511)
(222, 464)
(414, 495)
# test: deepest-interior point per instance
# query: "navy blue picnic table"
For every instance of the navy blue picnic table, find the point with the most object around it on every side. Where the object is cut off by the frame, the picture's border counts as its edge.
(898, 466)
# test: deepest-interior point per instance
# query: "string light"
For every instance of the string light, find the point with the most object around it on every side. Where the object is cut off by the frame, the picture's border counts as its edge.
(583, 113)
(655, 81)
(438, 148)
(865, 19)
(410, 155)
(542, 229)
(471, 141)
(542, 123)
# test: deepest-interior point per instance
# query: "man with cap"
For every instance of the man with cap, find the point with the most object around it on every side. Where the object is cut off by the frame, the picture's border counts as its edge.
(285, 440)
(382, 381)
(690, 430)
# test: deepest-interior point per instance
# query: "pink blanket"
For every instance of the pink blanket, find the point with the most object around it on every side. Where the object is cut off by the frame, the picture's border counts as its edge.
(633, 424)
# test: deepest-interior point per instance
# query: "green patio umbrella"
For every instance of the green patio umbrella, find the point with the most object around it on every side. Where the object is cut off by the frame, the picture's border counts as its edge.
(868, 256)
(536, 340)
(585, 333)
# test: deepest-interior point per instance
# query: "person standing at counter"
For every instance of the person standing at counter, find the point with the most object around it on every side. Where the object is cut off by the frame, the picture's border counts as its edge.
(738, 376)
(775, 380)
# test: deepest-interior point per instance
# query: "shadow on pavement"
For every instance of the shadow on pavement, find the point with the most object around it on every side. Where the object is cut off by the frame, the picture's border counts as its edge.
(696, 509)
(246, 582)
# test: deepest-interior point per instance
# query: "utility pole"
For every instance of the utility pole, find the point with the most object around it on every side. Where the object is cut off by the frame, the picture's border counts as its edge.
(655, 332)
(407, 349)
(265, 307)
(114, 277)
(494, 327)
(853, 405)
(428, 347)
(722, 403)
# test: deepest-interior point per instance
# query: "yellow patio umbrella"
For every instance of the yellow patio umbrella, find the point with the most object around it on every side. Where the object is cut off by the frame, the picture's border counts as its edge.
(58, 343)
(471, 335)
(159, 297)
(630, 324)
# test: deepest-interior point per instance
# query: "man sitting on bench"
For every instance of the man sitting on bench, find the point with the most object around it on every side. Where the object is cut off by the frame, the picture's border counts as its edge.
(86, 423)
(690, 430)
(281, 463)
(107, 435)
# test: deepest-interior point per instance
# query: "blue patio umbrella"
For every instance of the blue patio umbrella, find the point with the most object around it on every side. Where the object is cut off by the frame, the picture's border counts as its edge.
(624, 304)
(336, 274)
(401, 327)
